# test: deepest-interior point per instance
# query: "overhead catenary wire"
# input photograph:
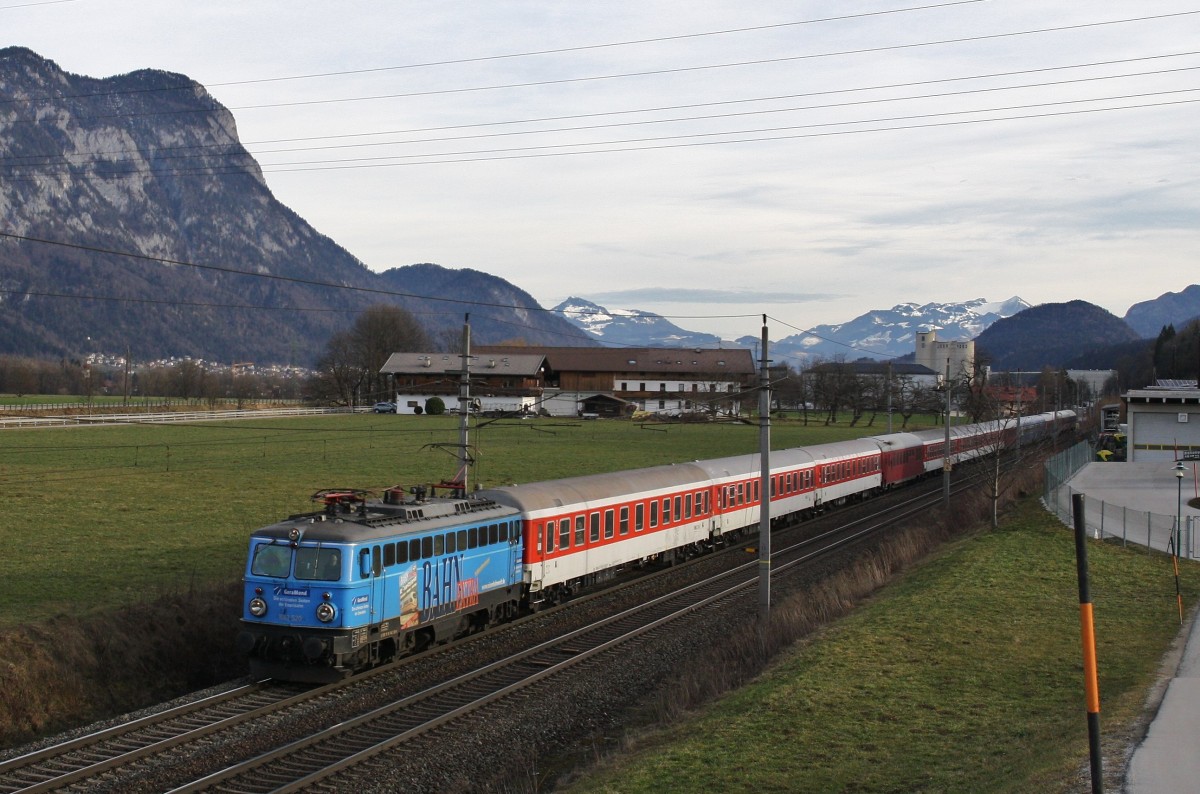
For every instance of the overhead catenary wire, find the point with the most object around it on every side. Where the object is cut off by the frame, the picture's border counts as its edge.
(654, 72)
(222, 149)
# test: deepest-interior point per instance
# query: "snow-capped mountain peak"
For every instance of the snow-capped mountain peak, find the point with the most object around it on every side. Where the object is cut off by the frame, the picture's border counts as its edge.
(877, 333)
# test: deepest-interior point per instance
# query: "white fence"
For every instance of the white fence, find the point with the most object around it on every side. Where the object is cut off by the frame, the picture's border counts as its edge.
(20, 422)
(1106, 520)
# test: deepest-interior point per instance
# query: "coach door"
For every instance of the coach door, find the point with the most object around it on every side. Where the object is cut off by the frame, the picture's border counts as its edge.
(370, 566)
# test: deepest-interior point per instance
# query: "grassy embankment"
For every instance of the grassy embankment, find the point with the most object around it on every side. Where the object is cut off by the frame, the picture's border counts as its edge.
(963, 675)
(123, 545)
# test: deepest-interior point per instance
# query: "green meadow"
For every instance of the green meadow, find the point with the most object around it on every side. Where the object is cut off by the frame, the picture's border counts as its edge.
(99, 516)
(965, 675)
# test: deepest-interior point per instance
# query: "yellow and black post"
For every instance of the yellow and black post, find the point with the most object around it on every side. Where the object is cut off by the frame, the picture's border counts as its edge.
(1090, 678)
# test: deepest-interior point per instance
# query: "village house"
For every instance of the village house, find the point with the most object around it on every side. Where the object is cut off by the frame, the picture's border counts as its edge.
(579, 381)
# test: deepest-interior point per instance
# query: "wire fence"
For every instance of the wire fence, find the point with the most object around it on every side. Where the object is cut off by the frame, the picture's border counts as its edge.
(1106, 520)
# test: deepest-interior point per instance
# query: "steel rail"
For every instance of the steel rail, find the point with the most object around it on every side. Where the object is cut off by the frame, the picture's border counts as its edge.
(302, 764)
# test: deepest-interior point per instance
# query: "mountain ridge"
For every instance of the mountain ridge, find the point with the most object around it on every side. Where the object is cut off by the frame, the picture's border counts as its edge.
(210, 264)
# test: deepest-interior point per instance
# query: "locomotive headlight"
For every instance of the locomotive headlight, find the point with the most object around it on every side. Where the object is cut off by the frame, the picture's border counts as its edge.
(325, 612)
(258, 607)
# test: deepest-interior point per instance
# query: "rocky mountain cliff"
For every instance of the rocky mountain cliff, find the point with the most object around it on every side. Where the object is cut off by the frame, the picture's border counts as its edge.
(209, 264)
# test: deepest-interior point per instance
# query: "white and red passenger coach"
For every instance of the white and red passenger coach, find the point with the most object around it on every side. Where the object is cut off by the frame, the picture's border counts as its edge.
(579, 530)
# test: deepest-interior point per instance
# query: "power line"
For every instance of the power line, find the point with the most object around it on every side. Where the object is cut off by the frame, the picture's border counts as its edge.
(585, 47)
(647, 73)
(487, 58)
(646, 144)
(93, 156)
(306, 282)
(41, 3)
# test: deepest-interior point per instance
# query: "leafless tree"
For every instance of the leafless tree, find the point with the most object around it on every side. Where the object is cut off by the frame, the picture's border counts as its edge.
(349, 370)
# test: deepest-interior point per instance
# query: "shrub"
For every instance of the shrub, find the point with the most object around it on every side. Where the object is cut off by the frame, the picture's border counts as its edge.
(435, 406)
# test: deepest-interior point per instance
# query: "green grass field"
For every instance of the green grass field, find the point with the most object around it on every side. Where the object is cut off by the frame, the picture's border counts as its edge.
(966, 675)
(98, 516)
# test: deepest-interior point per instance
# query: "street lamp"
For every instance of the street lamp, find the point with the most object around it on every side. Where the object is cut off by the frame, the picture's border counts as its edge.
(1179, 472)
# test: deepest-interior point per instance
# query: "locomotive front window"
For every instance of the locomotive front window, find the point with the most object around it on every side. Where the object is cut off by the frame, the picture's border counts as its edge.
(271, 559)
(321, 564)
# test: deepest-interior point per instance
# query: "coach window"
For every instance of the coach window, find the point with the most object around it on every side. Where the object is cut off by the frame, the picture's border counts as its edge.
(451, 542)
(402, 552)
(580, 523)
(639, 516)
(594, 528)
(624, 527)
(741, 493)
(653, 513)
(462, 540)
(678, 508)
(666, 513)
(439, 546)
(564, 533)
(549, 536)
(608, 524)
(414, 549)
(426, 548)
(472, 537)
(389, 554)
(757, 488)
(493, 534)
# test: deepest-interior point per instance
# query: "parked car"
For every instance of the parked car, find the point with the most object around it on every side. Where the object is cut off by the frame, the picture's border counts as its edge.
(384, 408)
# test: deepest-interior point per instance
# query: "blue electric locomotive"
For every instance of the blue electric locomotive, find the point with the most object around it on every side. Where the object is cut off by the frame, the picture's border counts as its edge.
(361, 581)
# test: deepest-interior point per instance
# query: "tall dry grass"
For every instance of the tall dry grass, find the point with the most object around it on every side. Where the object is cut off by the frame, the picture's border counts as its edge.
(72, 670)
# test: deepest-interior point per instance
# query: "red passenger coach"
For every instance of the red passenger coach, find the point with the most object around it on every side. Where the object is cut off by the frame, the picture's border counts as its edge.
(847, 468)
(902, 458)
(581, 529)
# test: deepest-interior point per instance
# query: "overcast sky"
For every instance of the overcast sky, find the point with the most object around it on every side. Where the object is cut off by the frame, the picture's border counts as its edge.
(705, 159)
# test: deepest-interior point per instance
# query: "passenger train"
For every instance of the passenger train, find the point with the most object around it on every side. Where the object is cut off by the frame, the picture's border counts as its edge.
(363, 580)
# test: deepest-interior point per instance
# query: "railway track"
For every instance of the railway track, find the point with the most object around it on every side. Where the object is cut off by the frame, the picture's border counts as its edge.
(102, 751)
(323, 758)
(416, 722)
